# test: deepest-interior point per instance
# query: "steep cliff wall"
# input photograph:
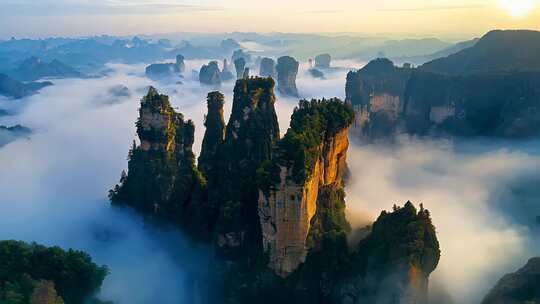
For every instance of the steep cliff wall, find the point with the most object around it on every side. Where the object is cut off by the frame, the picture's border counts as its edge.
(251, 133)
(287, 207)
(214, 134)
(389, 100)
(273, 209)
(376, 93)
(502, 104)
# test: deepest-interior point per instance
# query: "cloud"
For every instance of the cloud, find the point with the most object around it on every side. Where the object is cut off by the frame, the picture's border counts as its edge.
(63, 8)
(464, 185)
(431, 8)
(481, 194)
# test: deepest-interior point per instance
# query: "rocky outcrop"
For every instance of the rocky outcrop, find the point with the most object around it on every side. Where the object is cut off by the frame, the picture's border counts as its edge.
(161, 175)
(180, 64)
(241, 54)
(45, 293)
(376, 93)
(288, 204)
(226, 73)
(251, 133)
(9, 134)
(10, 87)
(393, 263)
(210, 74)
(267, 67)
(273, 209)
(215, 132)
(322, 61)
(520, 287)
(287, 69)
(240, 66)
(389, 100)
(502, 105)
(158, 71)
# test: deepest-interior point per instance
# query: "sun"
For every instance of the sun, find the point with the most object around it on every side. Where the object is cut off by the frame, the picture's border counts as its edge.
(518, 8)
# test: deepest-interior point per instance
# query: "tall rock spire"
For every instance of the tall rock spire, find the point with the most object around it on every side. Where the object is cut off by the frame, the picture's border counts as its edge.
(215, 132)
(251, 132)
(309, 160)
(287, 69)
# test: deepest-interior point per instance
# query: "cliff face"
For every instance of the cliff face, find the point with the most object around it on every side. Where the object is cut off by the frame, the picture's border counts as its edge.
(376, 93)
(273, 209)
(520, 287)
(287, 69)
(267, 67)
(287, 207)
(503, 104)
(390, 100)
(215, 132)
(393, 263)
(251, 132)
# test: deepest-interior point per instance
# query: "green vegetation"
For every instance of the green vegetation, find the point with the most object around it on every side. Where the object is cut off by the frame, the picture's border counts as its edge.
(75, 277)
(162, 176)
(311, 123)
(402, 235)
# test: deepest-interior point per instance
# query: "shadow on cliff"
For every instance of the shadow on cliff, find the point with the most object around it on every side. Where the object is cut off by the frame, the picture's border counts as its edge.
(483, 197)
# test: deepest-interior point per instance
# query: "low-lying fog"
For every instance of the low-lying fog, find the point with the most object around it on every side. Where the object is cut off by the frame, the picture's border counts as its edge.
(483, 197)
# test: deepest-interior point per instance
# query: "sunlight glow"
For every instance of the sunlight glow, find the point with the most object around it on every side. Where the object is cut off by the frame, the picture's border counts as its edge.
(518, 8)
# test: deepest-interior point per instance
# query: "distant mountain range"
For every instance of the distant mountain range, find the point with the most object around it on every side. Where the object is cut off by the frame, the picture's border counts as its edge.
(497, 51)
(34, 68)
(419, 60)
(10, 87)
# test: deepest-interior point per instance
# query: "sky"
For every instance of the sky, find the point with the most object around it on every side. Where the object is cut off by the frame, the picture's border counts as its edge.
(440, 18)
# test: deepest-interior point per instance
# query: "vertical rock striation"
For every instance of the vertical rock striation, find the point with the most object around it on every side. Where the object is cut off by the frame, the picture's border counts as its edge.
(251, 132)
(376, 93)
(287, 70)
(310, 157)
(161, 170)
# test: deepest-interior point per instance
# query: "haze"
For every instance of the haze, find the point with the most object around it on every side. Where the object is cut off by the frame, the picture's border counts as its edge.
(456, 19)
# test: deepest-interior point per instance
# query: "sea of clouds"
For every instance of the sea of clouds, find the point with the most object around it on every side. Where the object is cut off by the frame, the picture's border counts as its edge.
(482, 194)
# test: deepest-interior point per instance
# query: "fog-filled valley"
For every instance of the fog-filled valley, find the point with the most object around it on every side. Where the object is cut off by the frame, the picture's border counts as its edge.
(481, 192)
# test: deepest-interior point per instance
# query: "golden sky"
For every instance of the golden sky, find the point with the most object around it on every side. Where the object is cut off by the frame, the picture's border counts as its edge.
(406, 18)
